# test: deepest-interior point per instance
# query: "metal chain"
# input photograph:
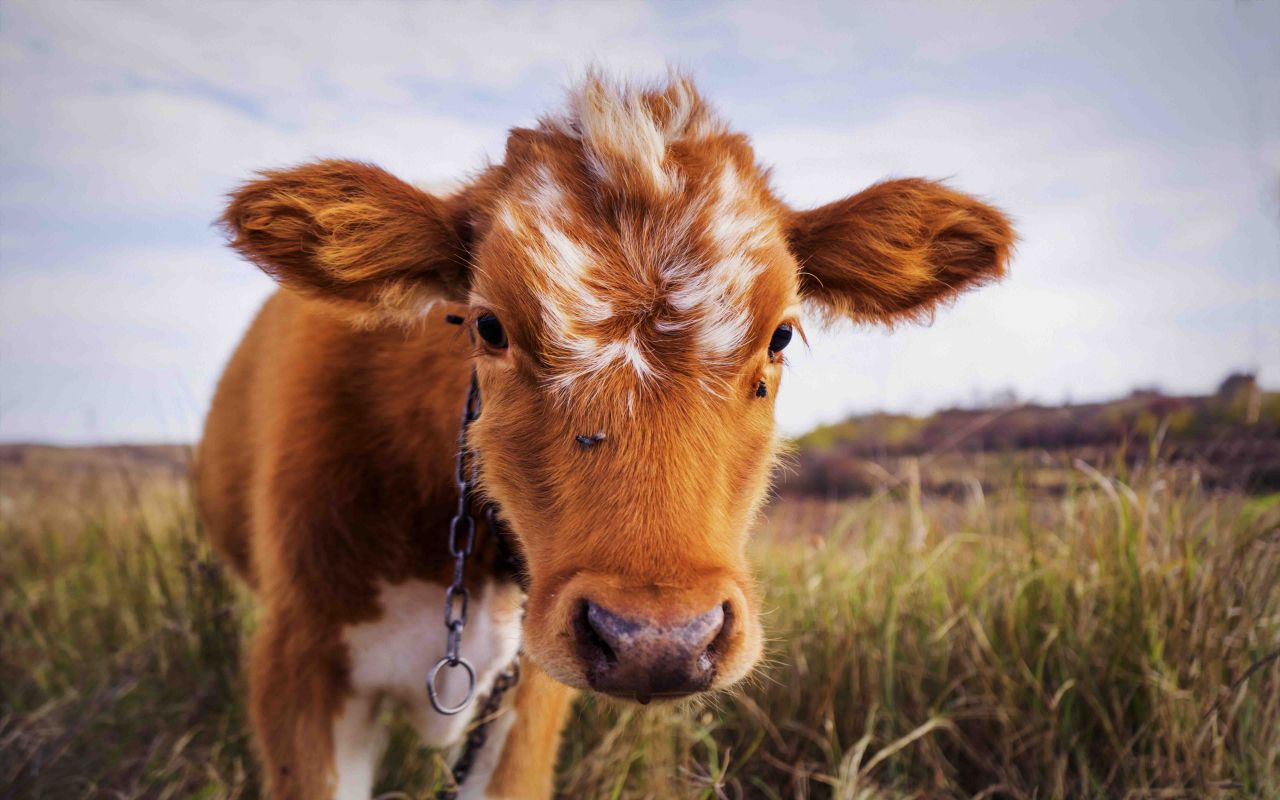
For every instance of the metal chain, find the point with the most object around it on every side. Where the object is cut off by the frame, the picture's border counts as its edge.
(479, 733)
(462, 539)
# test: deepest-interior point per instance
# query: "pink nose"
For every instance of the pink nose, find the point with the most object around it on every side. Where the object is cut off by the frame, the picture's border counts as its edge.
(639, 658)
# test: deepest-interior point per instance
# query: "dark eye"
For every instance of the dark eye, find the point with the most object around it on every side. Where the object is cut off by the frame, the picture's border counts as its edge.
(491, 331)
(780, 339)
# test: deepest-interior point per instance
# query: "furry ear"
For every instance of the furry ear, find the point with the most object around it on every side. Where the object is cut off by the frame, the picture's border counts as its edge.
(897, 250)
(370, 244)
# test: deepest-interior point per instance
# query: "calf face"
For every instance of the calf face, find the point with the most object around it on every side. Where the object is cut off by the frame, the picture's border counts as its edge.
(632, 284)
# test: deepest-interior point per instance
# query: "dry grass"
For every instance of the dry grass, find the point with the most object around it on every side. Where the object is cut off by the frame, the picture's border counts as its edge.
(1118, 640)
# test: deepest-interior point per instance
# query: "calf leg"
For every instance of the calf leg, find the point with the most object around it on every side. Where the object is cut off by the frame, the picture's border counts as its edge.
(525, 765)
(298, 694)
(359, 741)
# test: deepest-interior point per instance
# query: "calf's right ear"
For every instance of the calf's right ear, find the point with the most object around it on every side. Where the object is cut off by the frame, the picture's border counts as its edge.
(372, 246)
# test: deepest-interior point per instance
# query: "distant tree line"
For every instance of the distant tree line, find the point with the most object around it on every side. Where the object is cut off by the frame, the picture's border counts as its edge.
(831, 459)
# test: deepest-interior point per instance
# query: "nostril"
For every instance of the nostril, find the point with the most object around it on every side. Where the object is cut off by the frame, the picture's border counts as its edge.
(593, 644)
(716, 649)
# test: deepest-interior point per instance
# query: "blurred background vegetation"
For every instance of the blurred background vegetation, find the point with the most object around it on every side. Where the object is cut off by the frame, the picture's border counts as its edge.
(1231, 439)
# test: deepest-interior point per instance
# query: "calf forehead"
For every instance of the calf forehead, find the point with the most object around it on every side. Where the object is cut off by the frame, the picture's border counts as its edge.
(652, 275)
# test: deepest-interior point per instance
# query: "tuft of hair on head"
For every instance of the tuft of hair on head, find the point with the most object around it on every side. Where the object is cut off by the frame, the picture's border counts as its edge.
(626, 128)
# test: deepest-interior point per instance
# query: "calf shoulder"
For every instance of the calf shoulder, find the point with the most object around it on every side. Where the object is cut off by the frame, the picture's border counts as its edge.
(326, 463)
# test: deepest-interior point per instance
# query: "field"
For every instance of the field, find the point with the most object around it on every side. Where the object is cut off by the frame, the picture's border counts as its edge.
(1118, 636)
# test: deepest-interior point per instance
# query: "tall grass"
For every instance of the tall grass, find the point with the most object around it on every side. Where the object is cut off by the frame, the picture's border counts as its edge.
(119, 668)
(1117, 640)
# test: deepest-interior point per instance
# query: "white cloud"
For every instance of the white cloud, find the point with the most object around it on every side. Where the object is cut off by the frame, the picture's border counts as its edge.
(156, 151)
(132, 339)
(829, 37)
(368, 50)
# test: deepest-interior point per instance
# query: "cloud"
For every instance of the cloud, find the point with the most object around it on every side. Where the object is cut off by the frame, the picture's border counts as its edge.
(113, 347)
(157, 152)
(262, 52)
(835, 36)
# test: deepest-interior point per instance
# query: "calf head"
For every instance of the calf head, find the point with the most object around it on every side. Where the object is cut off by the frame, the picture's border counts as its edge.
(633, 283)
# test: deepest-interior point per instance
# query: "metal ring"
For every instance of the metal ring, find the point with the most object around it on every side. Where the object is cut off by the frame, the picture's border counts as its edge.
(431, 685)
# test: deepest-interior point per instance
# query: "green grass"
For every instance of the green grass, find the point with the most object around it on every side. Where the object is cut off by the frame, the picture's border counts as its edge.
(1118, 640)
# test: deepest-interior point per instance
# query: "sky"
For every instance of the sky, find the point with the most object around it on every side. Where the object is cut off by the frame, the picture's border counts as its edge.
(1135, 145)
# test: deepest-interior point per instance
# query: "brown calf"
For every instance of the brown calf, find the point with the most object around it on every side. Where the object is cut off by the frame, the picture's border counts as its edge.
(626, 271)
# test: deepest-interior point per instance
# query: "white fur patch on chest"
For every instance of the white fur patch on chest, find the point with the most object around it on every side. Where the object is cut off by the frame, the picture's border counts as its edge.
(393, 655)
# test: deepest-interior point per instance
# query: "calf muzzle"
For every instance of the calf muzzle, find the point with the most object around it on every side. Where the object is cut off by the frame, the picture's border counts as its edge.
(643, 658)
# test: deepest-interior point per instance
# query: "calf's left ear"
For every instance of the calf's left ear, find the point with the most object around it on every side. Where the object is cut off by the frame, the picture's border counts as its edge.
(897, 250)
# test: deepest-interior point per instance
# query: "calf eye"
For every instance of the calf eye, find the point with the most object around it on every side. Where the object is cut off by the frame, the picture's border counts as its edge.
(780, 339)
(491, 331)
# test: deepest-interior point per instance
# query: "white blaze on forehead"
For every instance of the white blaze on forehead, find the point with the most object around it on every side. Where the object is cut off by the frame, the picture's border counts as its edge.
(557, 256)
(716, 296)
(507, 219)
(715, 300)
(542, 194)
(566, 261)
(724, 332)
(629, 351)
(738, 225)
(569, 304)
(570, 301)
(588, 356)
(547, 196)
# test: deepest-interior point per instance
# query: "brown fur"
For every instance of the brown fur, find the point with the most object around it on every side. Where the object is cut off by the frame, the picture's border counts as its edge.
(898, 249)
(526, 767)
(325, 467)
(353, 234)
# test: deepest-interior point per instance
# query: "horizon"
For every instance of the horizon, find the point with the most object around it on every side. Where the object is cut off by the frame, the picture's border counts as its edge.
(990, 402)
(1137, 149)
